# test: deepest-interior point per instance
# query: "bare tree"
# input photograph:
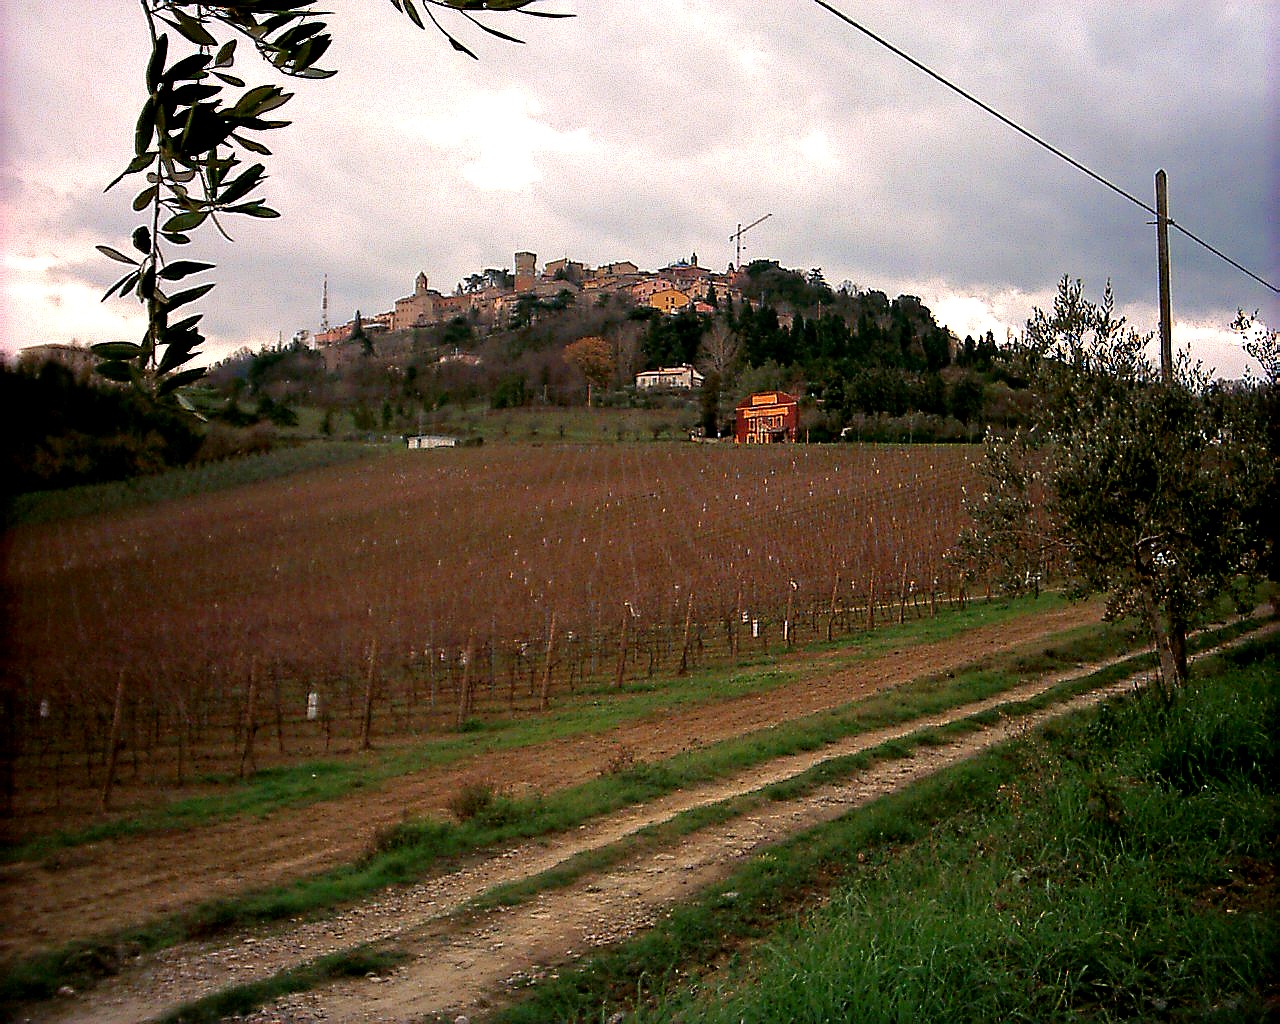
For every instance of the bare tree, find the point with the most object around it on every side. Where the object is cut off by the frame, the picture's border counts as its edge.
(718, 350)
(626, 350)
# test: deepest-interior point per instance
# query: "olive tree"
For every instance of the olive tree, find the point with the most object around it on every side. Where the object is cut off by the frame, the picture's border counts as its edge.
(1129, 485)
(197, 142)
(1261, 401)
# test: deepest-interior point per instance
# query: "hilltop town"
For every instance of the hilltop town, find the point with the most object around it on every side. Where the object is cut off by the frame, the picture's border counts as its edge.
(490, 298)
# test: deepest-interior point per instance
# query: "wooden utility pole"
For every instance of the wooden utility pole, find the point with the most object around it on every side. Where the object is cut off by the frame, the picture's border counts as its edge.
(1162, 253)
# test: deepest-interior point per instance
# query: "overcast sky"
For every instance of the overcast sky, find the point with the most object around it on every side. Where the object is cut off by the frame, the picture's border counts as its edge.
(650, 130)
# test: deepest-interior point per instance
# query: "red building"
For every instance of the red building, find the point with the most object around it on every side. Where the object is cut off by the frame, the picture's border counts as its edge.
(770, 417)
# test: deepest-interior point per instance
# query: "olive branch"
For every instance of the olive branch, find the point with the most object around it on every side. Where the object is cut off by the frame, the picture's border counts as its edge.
(197, 141)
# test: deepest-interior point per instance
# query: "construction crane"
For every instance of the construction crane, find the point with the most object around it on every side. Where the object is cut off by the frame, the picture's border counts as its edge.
(737, 237)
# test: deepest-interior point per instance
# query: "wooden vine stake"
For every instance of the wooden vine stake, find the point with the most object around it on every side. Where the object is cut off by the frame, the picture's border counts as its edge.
(9, 756)
(737, 618)
(688, 625)
(466, 693)
(788, 627)
(622, 646)
(279, 713)
(831, 611)
(184, 728)
(545, 696)
(113, 745)
(250, 720)
(366, 728)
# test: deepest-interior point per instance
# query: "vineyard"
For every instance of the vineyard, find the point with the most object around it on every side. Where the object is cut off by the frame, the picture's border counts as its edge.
(421, 591)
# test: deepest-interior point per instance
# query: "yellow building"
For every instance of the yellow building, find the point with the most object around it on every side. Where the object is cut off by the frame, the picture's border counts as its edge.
(669, 300)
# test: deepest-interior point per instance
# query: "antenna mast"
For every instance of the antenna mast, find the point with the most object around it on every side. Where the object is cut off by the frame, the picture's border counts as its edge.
(737, 237)
(324, 306)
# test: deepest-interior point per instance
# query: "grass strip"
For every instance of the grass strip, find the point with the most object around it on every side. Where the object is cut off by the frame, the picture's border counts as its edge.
(591, 712)
(747, 906)
(826, 772)
(238, 1000)
(1120, 865)
(408, 851)
(39, 507)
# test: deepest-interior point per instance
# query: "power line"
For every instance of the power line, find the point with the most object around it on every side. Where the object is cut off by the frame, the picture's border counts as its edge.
(1038, 141)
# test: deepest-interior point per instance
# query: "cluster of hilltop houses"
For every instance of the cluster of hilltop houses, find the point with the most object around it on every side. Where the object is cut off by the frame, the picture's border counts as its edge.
(490, 297)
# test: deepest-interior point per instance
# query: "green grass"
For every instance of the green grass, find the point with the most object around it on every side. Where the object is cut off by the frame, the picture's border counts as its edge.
(237, 1000)
(98, 499)
(1119, 866)
(920, 699)
(563, 424)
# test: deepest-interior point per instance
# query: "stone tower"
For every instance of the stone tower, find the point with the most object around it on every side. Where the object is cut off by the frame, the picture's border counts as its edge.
(526, 271)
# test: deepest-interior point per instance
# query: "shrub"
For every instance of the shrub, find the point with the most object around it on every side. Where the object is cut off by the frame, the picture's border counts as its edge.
(622, 761)
(472, 800)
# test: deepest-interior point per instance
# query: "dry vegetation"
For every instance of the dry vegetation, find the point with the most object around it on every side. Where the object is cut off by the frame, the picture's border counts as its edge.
(411, 593)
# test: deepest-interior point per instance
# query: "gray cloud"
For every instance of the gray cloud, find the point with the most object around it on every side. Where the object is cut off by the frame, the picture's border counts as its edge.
(650, 133)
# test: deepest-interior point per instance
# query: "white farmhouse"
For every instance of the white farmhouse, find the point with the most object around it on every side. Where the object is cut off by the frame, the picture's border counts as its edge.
(670, 377)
